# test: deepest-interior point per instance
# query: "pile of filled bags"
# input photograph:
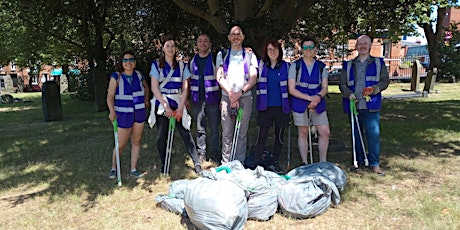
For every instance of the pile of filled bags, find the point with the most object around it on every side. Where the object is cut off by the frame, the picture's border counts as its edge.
(227, 196)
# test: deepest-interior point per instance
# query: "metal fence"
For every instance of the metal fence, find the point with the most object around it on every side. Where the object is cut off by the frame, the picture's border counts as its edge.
(399, 68)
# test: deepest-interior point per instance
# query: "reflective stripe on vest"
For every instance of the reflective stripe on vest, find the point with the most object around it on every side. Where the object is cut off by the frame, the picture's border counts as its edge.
(129, 97)
(372, 78)
(226, 61)
(310, 84)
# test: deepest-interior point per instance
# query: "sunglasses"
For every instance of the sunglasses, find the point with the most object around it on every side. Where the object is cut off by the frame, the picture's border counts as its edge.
(125, 60)
(307, 47)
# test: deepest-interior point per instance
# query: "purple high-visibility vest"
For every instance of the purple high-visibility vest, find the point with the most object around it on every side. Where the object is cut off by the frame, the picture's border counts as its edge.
(262, 86)
(211, 86)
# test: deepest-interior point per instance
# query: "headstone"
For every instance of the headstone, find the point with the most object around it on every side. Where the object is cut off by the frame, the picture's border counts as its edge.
(415, 80)
(430, 80)
(51, 100)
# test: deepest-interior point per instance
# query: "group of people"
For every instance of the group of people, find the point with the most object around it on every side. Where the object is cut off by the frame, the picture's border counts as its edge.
(222, 88)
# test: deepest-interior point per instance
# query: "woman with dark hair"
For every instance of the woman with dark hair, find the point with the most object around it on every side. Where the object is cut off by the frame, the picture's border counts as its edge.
(308, 85)
(170, 90)
(127, 99)
(272, 103)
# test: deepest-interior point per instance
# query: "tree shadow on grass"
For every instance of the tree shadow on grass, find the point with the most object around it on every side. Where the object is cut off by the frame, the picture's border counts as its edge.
(74, 156)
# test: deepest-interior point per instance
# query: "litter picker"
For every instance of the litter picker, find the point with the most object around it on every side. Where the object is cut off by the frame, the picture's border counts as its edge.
(117, 152)
(172, 125)
(354, 120)
(309, 136)
(236, 133)
(289, 148)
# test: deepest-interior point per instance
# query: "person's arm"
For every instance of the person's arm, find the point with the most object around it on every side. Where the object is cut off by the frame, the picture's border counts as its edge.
(220, 73)
(146, 93)
(184, 94)
(155, 88)
(111, 98)
(343, 84)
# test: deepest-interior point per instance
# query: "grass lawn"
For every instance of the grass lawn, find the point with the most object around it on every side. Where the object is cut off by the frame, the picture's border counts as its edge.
(53, 175)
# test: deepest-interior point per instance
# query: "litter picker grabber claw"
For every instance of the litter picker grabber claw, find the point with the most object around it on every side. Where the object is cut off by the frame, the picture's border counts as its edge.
(354, 120)
(172, 125)
(289, 148)
(236, 133)
(310, 146)
(117, 152)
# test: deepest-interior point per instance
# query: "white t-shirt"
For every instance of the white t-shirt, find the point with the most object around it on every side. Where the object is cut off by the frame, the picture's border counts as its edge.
(235, 74)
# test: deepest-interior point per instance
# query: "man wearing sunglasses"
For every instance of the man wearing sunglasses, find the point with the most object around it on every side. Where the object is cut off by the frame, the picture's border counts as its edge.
(308, 85)
(236, 74)
(362, 81)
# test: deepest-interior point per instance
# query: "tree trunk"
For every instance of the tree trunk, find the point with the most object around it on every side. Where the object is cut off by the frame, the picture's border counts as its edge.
(434, 39)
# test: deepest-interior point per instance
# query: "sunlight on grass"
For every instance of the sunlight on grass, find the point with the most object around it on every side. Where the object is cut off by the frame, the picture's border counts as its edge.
(439, 135)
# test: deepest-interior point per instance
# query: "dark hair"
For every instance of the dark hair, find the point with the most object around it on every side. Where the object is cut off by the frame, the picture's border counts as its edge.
(266, 58)
(162, 59)
(119, 66)
(309, 39)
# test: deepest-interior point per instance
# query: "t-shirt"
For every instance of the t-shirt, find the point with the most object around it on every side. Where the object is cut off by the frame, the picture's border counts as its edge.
(156, 74)
(274, 88)
(235, 74)
(201, 63)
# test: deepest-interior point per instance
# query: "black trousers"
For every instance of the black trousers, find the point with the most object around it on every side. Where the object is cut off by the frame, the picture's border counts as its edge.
(162, 138)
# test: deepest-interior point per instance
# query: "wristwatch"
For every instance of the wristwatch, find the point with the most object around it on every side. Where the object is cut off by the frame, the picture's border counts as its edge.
(242, 91)
(318, 94)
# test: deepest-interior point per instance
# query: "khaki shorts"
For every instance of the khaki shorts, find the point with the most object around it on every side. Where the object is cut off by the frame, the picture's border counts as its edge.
(301, 119)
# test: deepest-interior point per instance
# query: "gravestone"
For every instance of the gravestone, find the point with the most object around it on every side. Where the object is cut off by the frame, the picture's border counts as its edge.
(415, 80)
(51, 101)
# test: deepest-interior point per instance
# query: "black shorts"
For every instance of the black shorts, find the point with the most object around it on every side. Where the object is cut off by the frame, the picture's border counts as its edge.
(272, 115)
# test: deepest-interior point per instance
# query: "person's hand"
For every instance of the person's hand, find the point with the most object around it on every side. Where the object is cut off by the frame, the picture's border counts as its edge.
(315, 99)
(368, 91)
(178, 113)
(168, 111)
(112, 116)
(147, 103)
(312, 104)
(235, 104)
(353, 98)
(234, 96)
(187, 104)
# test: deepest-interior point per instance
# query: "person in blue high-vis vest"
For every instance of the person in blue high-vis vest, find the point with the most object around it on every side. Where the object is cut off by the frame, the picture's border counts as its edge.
(272, 103)
(127, 100)
(169, 86)
(308, 85)
(362, 80)
(205, 96)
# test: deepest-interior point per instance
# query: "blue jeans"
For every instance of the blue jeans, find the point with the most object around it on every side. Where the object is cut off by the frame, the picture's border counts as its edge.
(369, 123)
(203, 114)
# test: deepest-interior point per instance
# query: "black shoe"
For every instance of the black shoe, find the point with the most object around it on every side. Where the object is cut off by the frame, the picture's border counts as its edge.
(275, 167)
(198, 169)
(113, 174)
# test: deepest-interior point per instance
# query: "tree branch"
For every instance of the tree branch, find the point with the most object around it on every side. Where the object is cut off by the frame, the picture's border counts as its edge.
(214, 17)
(264, 9)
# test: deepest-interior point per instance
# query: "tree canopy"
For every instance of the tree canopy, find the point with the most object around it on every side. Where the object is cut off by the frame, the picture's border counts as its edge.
(59, 31)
